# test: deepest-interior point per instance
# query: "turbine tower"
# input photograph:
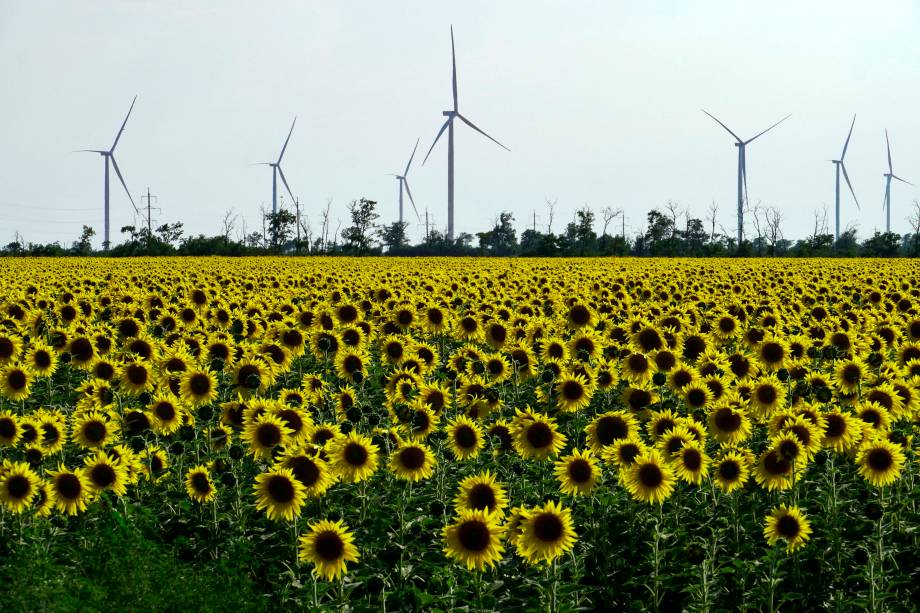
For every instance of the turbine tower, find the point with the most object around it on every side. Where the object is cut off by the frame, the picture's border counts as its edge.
(404, 182)
(742, 168)
(886, 204)
(276, 170)
(109, 156)
(449, 126)
(842, 167)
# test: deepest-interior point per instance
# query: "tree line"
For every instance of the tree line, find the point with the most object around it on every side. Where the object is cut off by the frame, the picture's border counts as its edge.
(669, 231)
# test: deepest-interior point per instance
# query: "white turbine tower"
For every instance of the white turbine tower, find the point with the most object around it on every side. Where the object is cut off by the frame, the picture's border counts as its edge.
(841, 167)
(742, 168)
(109, 156)
(276, 170)
(886, 204)
(449, 126)
(404, 182)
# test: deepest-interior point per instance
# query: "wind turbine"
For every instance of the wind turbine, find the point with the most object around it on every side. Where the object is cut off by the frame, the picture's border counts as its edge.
(742, 168)
(276, 170)
(109, 156)
(886, 204)
(404, 182)
(449, 126)
(841, 167)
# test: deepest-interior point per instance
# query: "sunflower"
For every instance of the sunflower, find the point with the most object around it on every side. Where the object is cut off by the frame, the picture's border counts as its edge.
(637, 368)
(605, 429)
(649, 478)
(264, 434)
(849, 374)
(767, 396)
(788, 523)
(481, 493)
(10, 348)
(680, 376)
(773, 353)
(577, 473)
(545, 533)
(660, 423)
(198, 387)
(15, 382)
(52, 429)
(674, 440)
(412, 462)
(874, 417)
(251, 376)
(10, 430)
(697, 396)
(279, 493)
(351, 365)
(536, 436)
(18, 486)
(731, 471)
(43, 503)
(199, 486)
(880, 461)
(41, 360)
(572, 393)
(691, 463)
(639, 398)
(165, 414)
(808, 434)
(309, 468)
(354, 457)
(94, 429)
(154, 463)
(71, 490)
(729, 424)
(328, 546)
(105, 474)
(464, 437)
(136, 377)
(774, 471)
(624, 452)
(840, 431)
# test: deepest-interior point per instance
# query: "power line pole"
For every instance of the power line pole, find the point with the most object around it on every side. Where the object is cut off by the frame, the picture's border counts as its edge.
(149, 198)
(297, 208)
(535, 221)
(427, 237)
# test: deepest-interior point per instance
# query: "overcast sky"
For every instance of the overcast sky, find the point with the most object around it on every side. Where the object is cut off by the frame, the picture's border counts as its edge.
(598, 101)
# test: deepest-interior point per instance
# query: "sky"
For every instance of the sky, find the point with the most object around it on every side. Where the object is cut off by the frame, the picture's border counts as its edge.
(600, 103)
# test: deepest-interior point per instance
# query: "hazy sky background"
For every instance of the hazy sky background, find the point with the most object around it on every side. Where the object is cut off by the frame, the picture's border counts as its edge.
(598, 101)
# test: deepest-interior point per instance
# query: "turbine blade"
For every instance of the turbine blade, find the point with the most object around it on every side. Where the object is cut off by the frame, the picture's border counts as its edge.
(847, 143)
(412, 200)
(89, 151)
(472, 125)
(118, 136)
(888, 144)
(287, 140)
(283, 180)
(737, 138)
(901, 180)
(440, 132)
(122, 179)
(770, 128)
(850, 185)
(453, 58)
(411, 157)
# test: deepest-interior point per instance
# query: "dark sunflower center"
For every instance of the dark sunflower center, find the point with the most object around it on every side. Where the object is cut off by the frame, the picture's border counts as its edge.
(548, 527)
(465, 437)
(68, 486)
(280, 489)
(579, 470)
(137, 374)
(682, 378)
(880, 459)
(637, 362)
(729, 470)
(7, 428)
(572, 391)
(18, 487)
(802, 433)
(249, 377)
(851, 373)
(81, 349)
(268, 435)
(200, 384)
(788, 527)
(639, 398)
(650, 475)
(836, 425)
(94, 431)
(356, 454)
(474, 535)
(200, 483)
(412, 458)
(675, 444)
(663, 425)
(102, 475)
(693, 460)
(42, 359)
(775, 464)
(766, 394)
(305, 470)
(329, 546)
(394, 350)
(352, 364)
(165, 411)
(16, 379)
(6, 348)
(50, 433)
(772, 352)
(291, 419)
(881, 397)
(649, 340)
(321, 436)
(696, 397)
(580, 315)
(611, 428)
(871, 416)
(482, 497)
(727, 420)
(539, 435)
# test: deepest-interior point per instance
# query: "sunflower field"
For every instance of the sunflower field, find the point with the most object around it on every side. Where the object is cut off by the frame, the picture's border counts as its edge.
(439, 434)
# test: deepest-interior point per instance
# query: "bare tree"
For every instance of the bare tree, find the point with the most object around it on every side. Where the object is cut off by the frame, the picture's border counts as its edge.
(609, 214)
(325, 230)
(914, 220)
(228, 223)
(773, 218)
(673, 209)
(551, 206)
(713, 215)
(820, 221)
(263, 212)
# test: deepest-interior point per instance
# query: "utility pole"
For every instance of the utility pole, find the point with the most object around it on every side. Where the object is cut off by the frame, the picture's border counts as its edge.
(427, 238)
(149, 198)
(297, 208)
(624, 227)
(535, 221)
